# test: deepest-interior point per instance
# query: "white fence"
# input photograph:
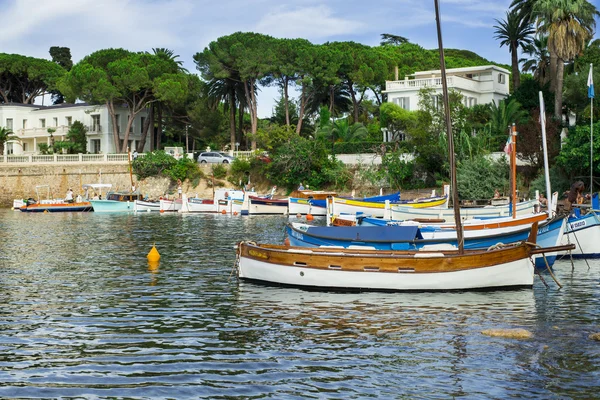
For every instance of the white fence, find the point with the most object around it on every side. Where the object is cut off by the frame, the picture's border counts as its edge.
(62, 158)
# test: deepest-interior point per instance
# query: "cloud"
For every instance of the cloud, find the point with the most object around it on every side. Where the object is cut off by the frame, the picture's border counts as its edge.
(314, 22)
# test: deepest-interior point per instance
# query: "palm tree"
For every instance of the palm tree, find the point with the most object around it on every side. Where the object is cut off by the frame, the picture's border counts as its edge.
(5, 135)
(170, 55)
(569, 25)
(539, 59)
(502, 116)
(514, 32)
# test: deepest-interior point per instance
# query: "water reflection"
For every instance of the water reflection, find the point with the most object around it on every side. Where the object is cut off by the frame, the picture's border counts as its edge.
(85, 315)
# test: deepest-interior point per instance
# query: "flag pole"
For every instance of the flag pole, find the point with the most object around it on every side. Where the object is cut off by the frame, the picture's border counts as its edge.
(591, 96)
(513, 163)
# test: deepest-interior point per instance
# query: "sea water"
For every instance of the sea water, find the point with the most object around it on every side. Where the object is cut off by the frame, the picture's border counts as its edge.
(84, 315)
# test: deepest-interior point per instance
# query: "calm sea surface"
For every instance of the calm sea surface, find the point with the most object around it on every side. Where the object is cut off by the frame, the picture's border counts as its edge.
(83, 315)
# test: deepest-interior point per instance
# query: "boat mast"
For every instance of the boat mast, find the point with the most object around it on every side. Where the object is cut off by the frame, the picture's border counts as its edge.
(130, 168)
(451, 159)
(513, 169)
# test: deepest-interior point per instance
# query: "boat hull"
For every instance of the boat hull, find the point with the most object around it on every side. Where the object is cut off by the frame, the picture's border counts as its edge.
(304, 206)
(146, 206)
(267, 206)
(58, 207)
(359, 271)
(112, 206)
(584, 232)
(401, 212)
(377, 209)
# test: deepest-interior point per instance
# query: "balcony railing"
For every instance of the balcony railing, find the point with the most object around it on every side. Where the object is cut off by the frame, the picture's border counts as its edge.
(456, 82)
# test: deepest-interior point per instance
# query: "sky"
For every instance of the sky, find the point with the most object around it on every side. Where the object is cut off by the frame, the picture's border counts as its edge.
(31, 27)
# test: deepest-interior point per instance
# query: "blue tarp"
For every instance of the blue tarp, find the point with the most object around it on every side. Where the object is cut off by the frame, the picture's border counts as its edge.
(366, 233)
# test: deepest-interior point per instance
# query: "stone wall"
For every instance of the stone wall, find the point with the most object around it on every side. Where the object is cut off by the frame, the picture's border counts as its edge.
(20, 181)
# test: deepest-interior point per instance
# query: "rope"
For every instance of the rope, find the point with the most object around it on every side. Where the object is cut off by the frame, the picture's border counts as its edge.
(547, 266)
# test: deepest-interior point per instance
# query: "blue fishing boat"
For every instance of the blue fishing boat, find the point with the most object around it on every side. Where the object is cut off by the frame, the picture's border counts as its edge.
(414, 237)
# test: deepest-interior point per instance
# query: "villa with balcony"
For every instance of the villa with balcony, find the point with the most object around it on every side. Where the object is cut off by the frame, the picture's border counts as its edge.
(30, 124)
(478, 85)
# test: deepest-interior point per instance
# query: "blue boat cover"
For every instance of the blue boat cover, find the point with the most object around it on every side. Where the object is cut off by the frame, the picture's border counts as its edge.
(365, 233)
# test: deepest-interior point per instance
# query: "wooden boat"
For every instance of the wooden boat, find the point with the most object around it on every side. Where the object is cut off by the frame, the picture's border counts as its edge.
(412, 237)
(267, 205)
(377, 209)
(146, 206)
(353, 269)
(318, 206)
(170, 205)
(401, 212)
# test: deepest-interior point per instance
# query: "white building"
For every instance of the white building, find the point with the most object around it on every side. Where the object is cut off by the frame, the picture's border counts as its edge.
(478, 85)
(30, 123)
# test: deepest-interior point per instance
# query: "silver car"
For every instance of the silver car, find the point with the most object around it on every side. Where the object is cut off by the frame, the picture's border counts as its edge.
(215, 157)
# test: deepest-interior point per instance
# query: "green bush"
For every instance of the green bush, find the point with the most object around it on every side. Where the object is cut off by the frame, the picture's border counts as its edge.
(219, 171)
(479, 177)
(307, 161)
(159, 163)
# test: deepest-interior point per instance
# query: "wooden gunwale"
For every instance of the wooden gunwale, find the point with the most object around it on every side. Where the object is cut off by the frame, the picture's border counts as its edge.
(386, 261)
(503, 224)
(377, 205)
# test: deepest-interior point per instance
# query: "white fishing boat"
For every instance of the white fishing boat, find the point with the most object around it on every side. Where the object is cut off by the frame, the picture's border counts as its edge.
(400, 212)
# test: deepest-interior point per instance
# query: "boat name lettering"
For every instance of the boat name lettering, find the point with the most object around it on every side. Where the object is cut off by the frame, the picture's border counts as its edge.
(577, 224)
(258, 254)
(297, 235)
(543, 229)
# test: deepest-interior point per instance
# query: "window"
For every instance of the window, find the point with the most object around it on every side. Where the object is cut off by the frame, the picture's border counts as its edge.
(24, 146)
(501, 78)
(9, 124)
(24, 124)
(9, 148)
(95, 145)
(403, 102)
(142, 120)
(42, 122)
(69, 121)
(472, 101)
(55, 121)
(96, 123)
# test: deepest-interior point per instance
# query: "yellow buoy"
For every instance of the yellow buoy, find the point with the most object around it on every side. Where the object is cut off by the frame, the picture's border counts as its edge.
(153, 256)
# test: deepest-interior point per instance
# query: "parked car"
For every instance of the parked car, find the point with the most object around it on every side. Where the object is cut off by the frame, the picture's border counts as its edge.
(215, 157)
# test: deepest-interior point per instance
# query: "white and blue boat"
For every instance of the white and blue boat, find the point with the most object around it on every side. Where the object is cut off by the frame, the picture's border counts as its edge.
(583, 230)
(414, 237)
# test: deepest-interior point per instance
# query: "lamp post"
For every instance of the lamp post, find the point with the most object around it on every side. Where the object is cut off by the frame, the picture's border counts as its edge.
(187, 147)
